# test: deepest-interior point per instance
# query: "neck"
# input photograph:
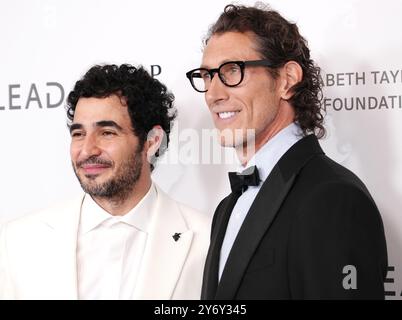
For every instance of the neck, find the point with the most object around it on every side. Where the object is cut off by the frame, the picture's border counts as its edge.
(248, 149)
(124, 203)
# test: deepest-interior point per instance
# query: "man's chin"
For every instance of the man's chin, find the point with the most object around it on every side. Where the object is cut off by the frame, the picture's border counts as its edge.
(227, 138)
(95, 190)
(90, 184)
(91, 176)
(234, 138)
(227, 143)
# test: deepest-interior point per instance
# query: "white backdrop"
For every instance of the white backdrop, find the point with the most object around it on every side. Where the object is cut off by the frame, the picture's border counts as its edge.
(45, 43)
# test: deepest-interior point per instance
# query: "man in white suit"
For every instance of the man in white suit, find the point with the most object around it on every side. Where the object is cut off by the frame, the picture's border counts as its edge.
(124, 238)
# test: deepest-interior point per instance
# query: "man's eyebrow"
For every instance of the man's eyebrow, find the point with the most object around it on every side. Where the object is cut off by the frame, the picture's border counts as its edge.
(102, 123)
(204, 66)
(75, 126)
(108, 123)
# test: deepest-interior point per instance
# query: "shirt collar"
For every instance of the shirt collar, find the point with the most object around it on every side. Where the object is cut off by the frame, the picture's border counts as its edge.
(270, 153)
(92, 215)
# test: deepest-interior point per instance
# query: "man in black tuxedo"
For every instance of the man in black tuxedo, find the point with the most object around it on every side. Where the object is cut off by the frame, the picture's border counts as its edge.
(297, 225)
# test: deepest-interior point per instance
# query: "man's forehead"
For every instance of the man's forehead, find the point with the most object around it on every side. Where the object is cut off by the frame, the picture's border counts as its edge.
(111, 106)
(229, 46)
(91, 113)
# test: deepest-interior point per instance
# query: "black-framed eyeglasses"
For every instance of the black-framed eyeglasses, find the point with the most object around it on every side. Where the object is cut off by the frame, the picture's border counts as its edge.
(231, 73)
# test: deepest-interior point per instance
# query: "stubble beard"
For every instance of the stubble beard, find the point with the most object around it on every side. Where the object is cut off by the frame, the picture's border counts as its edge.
(119, 187)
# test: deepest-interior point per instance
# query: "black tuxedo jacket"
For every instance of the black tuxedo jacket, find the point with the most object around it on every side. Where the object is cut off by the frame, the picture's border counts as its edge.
(312, 232)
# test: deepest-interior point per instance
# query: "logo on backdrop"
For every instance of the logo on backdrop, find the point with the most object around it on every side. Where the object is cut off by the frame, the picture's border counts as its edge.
(22, 97)
(49, 95)
(378, 81)
(156, 70)
(390, 287)
(349, 281)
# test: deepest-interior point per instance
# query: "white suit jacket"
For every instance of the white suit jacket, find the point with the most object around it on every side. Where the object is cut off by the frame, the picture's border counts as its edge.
(38, 253)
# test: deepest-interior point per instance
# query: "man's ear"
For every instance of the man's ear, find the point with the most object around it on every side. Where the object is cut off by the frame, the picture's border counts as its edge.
(291, 74)
(154, 141)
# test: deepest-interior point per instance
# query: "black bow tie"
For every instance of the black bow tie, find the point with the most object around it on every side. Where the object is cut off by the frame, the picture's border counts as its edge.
(241, 181)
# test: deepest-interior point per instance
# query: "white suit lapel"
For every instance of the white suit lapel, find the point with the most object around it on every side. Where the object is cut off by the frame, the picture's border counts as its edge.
(164, 257)
(60, 251)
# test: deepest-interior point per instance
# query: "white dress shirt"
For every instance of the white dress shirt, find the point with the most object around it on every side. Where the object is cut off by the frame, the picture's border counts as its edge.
(265, 159)
(110, 248)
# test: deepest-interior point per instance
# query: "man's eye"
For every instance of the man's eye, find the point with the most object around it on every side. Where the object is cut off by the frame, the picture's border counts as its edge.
(234, 69)
(76, 134)
(108, 133)
(205, 75)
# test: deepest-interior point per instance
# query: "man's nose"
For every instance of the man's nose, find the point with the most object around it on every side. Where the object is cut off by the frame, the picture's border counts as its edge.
(217, 90)
(90, 146)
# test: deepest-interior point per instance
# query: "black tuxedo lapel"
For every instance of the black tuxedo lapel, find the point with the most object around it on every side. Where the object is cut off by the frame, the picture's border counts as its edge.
(257, 221)
(210, 278)
(262, 212)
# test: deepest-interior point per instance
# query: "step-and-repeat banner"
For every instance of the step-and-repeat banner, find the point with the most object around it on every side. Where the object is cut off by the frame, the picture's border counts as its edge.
(47, 45)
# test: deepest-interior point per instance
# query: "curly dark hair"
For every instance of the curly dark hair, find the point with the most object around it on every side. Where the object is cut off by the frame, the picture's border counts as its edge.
(149, 103)
(279, 41)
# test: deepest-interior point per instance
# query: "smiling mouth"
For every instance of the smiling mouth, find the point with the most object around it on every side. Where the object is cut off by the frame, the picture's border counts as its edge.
(227, 114)
(94, 170)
